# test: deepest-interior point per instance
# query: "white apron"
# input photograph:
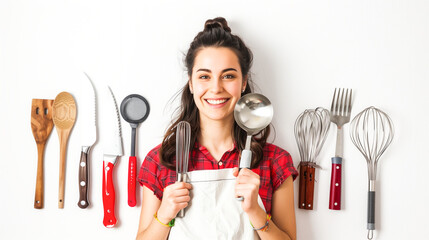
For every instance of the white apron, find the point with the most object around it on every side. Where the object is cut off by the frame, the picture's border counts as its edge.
(213, 212)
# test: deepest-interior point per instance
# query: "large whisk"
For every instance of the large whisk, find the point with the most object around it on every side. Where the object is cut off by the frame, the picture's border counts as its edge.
(183, 139)
(371, 132)
(311, 128)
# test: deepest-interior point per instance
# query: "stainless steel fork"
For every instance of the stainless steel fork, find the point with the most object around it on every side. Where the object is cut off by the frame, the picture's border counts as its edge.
(340, 114)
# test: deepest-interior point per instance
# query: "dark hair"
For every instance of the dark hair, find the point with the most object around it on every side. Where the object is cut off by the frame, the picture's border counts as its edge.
(216, 33)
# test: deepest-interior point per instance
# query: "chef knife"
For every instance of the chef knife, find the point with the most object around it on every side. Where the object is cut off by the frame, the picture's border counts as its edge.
(113, 150)
(89, 115)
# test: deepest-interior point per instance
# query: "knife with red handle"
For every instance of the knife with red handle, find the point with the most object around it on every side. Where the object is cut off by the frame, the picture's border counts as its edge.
(109, 219)
(113, 150)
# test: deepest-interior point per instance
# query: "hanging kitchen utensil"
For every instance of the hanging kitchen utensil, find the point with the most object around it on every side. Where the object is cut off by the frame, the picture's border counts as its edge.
(371, 132)
(64, 116)
(340, 114)
(89, 136)
(134, 109)
(41, 126)
(253, 112)
(311, 128)
(183, 139)
(112, 150)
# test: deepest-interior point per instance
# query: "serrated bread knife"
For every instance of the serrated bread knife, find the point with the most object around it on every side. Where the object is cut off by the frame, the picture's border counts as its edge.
(89, 137)
(113, 150)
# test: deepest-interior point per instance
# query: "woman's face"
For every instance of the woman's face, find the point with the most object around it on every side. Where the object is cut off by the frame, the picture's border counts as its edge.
(216, 83)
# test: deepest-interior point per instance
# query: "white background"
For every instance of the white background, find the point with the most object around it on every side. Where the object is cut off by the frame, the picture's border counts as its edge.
(302, 51)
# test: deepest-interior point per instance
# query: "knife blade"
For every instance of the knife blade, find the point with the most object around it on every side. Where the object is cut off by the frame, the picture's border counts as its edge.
(113, 150)
(89, 114)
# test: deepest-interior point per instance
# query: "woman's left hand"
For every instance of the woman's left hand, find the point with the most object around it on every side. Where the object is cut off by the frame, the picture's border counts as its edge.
(247, 186)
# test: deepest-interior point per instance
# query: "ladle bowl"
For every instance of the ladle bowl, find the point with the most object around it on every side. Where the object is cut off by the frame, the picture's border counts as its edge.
(253, 112)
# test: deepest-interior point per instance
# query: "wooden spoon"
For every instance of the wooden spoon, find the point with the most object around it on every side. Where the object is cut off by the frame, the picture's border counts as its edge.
(41, 125)
(64, 116)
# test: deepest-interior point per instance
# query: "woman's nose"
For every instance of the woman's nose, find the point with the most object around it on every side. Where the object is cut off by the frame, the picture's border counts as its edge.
(216, 85)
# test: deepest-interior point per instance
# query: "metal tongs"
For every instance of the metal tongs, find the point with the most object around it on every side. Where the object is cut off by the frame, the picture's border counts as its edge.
(183, 139)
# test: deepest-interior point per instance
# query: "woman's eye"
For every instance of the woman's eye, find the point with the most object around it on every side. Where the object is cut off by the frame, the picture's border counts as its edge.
(229, 76)
(204, 77)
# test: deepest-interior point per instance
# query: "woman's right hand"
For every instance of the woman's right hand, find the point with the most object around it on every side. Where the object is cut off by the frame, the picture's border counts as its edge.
(175, 197)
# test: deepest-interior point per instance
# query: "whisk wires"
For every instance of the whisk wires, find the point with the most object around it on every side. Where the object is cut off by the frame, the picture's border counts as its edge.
(311, 128)
(183, 137)
(372, 132)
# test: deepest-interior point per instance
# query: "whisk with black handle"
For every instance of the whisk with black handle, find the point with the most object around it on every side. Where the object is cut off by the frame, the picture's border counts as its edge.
(371, 132)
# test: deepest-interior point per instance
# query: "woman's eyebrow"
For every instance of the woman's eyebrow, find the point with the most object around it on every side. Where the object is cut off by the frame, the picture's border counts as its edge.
(229, 69)
(204, 70)
(208, 70)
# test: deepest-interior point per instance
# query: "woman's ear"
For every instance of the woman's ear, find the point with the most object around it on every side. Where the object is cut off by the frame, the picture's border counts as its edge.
(190, 86)
(244, 84)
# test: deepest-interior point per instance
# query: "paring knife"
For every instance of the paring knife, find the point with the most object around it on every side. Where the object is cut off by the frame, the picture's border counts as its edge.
(89, 114)
(113, 150)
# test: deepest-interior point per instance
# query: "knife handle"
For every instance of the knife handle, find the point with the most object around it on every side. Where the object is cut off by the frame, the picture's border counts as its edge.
(109, 219)
(335, 193)
(83, 180)
(132, 181)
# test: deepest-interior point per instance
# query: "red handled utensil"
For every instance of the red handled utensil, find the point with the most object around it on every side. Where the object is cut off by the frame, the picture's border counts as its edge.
(134, 109)
(340, 114)
(113, 150)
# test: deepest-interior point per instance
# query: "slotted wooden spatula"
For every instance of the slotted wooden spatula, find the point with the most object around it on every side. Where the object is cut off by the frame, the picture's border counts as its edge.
(41, 125)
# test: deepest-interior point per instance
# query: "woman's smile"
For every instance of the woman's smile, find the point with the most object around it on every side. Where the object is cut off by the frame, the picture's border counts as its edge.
(217, 102)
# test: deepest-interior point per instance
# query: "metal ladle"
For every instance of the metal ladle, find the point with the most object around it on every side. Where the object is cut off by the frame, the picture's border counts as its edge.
(253, 112)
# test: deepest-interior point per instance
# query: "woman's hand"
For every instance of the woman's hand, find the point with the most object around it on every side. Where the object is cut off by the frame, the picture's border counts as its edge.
(247, 186)
(175, 197)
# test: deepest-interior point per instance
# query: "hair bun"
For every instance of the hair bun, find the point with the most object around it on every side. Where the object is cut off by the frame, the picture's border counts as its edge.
(218, 22)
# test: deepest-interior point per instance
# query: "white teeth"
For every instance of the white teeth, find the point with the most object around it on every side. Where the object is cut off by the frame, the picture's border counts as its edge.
(219, 101)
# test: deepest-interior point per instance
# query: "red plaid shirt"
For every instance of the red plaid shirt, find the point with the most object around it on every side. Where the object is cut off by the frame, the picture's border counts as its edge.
(273, 170)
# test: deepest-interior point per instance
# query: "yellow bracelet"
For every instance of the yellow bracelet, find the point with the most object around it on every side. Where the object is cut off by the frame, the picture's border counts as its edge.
(170, 223)
(263, 228)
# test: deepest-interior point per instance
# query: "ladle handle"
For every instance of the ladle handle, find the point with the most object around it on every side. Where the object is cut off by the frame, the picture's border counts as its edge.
(132, 181)
(335, 191)
(245, 161)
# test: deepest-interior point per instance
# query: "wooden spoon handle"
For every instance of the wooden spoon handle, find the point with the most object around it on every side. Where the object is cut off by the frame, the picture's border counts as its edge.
(63, 153)
(38, 198)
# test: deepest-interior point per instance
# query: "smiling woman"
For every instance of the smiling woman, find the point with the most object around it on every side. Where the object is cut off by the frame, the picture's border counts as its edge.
(218, 64)
(216, 83)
